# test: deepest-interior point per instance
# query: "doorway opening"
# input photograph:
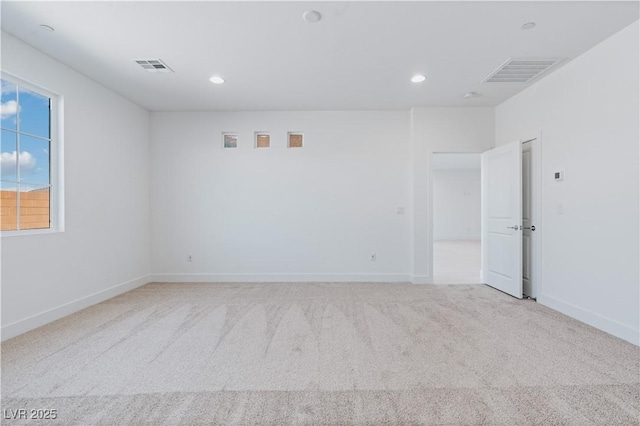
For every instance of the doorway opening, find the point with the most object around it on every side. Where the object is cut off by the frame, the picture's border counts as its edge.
(456, 218)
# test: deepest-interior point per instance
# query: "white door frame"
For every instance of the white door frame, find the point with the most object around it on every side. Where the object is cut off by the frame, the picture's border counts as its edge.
(536, 198)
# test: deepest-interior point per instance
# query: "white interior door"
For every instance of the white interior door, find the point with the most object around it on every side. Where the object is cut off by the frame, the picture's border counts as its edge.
(502, 218)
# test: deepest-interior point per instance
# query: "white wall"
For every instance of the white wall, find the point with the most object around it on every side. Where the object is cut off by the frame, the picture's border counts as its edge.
(439, 130)
(588, 114)
(456, 204)
(105, 247)
(246, 214)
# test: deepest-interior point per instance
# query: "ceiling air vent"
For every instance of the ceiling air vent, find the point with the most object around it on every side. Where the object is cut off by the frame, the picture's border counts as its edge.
(154, 65)
(521, 70)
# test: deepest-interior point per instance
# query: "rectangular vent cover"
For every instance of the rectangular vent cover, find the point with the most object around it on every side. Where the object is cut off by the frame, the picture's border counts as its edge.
(521, 70)
(154, 65)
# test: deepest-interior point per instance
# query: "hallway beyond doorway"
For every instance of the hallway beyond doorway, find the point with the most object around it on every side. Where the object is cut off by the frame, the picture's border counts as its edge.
(456, 262)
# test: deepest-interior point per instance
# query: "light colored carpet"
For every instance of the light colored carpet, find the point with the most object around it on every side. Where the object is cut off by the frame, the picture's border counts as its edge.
(321, 354)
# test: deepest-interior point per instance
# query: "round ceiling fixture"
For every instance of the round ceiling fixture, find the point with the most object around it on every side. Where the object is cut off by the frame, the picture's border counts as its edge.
(418, 78)
(216, 79)
(312, 16)
(47, 27)
(528, 26)
(470, 95)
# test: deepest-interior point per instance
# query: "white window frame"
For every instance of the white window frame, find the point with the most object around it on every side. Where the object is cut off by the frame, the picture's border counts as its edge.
(289, 134)
(225, 134)
(255, 139)
(56, 159)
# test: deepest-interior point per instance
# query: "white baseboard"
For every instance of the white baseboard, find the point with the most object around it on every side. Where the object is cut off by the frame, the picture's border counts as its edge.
(593, 319)
(22, 326)
(421, 279)
(216, 278)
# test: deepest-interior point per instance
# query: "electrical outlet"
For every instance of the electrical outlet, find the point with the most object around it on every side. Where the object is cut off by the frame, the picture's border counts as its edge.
(189, 258)
(374, 257)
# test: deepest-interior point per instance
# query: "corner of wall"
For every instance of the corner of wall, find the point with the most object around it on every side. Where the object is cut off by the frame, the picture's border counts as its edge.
(38, 320)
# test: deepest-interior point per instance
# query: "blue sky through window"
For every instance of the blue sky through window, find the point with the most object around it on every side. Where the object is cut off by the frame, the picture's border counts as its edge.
(32, 112)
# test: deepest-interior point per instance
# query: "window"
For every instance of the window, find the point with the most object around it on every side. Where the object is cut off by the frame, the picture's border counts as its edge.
(28, 150)
(263, 140)
(229, 140)
(294, 140)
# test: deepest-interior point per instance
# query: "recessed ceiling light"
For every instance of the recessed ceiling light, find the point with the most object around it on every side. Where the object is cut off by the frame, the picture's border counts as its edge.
(418, 78)
(528, 26)
(216, 79)
(470, 95)
(47, 27)
(312, 16)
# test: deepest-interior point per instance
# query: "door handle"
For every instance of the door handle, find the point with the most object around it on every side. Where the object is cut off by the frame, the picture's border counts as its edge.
(532, 227)
(513, 227)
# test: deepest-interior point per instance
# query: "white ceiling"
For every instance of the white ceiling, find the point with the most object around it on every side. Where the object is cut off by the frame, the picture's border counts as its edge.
(361, 55)
(455, 161)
